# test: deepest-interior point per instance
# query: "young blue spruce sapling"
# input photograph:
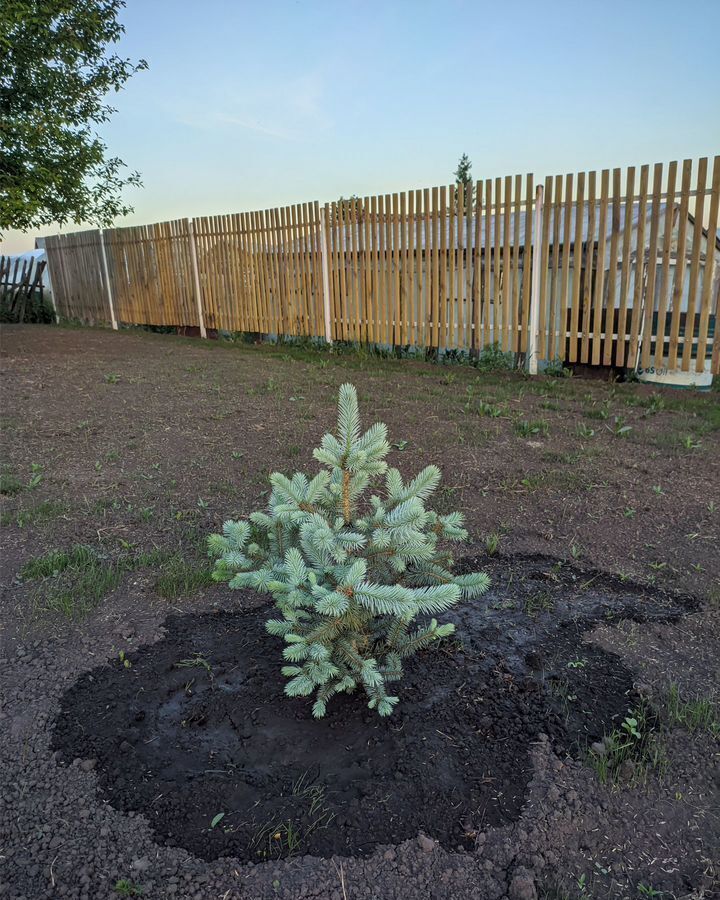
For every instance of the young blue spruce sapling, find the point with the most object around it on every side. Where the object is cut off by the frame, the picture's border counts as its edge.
(350, 575)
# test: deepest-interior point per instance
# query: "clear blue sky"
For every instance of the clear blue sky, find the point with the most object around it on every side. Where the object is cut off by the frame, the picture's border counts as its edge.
(256, 104)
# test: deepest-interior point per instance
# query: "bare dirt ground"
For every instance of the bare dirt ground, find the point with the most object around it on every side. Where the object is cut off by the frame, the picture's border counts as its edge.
(121, 452)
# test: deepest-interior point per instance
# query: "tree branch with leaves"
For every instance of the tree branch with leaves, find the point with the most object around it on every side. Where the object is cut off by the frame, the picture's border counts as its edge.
(56, 72)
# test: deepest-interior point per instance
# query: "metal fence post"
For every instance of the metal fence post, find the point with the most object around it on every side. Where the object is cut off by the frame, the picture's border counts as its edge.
(196, 278)
(325, 276)
(537, 273)
(106, 276)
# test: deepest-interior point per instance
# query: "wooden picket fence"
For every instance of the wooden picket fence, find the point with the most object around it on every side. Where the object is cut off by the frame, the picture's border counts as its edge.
(620, 268)
(20, 283)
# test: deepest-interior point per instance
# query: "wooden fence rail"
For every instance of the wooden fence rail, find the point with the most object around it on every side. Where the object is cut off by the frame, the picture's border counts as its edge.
(626, 263)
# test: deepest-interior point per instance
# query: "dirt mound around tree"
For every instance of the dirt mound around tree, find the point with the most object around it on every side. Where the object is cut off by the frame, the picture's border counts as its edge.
(197, 735)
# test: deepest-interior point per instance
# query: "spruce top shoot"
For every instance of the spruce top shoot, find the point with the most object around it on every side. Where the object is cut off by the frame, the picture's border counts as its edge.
(350, 574)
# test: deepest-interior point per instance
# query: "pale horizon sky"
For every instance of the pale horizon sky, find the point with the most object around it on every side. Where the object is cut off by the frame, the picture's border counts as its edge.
(248, 106)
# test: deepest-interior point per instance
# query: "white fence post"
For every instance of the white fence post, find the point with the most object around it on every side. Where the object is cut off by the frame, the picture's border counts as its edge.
(325, 277)
(196, 278)
(537, 273)
(106, 275)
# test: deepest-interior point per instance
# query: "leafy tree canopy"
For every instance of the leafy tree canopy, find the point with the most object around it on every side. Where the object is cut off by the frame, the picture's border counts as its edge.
(55, 74)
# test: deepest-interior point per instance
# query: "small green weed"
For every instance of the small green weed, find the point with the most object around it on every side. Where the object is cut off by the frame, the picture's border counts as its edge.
(619, 428)
(585, 431)
(656, 405)
(197, 661)
(10, 484)
(526, 428)
(647, 890)
(216, 820)
(599, 413)
(539, 602)
(492, 543)
(631, 751)
(126, 888)
(284, 838)
(690, 443)
(488, 409)
(493, 359)
(556, 369)
(36, 475)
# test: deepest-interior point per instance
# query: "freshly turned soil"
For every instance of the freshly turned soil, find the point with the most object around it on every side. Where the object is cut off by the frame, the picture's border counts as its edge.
(182, 743)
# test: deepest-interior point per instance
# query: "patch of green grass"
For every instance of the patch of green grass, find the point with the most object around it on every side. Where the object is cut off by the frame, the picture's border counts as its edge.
(699, 714)
(10, 484)
(703, 409)
(57, 561)
(74, 582)
(180, 578)
(38, 514)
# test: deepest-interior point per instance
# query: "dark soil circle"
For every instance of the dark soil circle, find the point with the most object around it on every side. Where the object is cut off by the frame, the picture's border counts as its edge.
(198, 736)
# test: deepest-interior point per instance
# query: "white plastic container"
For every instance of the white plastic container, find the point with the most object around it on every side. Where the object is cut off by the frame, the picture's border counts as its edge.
(676, 378)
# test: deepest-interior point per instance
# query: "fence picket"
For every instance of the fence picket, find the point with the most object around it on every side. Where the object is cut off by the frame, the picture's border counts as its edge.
(679, 280)
(708, 276)
(668, 227)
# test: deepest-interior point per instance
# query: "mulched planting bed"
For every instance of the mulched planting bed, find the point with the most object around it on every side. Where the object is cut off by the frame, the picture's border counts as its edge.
(197, 725)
